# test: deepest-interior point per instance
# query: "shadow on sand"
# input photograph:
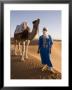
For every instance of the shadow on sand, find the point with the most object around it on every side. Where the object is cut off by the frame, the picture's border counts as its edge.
(30, 69)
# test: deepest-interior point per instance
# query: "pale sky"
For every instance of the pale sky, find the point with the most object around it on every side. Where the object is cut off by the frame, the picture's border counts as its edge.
(48, 18)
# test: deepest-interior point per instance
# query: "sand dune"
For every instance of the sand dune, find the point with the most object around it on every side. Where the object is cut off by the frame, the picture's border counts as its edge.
(31, 68)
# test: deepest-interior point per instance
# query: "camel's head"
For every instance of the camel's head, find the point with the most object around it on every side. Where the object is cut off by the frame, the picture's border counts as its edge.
(36, 22)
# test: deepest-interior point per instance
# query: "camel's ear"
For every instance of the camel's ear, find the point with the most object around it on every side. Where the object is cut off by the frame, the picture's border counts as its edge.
(38, 19)
(34, 21)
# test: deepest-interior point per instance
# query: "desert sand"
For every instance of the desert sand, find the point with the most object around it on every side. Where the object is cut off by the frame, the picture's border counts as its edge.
(31, 67)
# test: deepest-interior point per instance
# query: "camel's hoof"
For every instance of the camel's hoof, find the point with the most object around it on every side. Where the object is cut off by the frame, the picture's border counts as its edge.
(22, 59)
(15, 53)
(26, 57)
(21, 54)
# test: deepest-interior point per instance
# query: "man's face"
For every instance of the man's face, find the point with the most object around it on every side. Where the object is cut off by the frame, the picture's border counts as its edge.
(44, 32)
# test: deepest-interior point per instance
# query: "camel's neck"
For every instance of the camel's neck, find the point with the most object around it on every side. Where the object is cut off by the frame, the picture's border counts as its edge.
(34, 32)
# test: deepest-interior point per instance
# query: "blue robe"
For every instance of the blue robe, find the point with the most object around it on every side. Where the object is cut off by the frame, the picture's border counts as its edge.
(45, 51)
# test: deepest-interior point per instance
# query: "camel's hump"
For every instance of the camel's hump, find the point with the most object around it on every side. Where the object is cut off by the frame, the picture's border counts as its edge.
(18, 29)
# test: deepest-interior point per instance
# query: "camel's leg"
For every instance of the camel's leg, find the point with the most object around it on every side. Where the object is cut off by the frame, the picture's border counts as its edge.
(26, 49)
(15, 47)
(23, 51)
(19, 49)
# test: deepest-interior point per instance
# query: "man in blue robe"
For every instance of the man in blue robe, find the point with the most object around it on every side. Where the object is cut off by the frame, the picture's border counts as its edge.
(45, 45)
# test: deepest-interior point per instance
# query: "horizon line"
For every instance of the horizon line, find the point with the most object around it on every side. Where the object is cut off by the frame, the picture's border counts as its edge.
(37, 39)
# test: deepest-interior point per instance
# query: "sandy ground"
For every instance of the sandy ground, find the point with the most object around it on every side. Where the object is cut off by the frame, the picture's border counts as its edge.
(31, 67)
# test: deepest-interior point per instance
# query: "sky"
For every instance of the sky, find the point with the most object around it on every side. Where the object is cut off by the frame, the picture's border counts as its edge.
(48, 18)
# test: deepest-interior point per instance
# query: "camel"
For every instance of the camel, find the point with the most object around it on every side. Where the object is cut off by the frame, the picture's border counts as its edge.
(25, 43)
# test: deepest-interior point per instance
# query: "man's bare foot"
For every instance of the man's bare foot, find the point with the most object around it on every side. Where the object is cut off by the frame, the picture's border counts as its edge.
(51, 69)
(44, 68)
